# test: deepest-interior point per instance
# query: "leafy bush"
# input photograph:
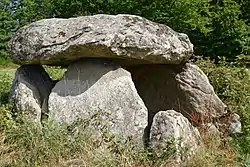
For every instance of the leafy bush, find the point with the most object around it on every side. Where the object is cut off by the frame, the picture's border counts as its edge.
(55, 73)
(231, 83)
(6, 120)
(6, 76)
(6, 62)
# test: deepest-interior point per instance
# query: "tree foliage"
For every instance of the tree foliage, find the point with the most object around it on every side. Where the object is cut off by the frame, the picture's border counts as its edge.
(230, 35)
(7, 25)
(216, 27)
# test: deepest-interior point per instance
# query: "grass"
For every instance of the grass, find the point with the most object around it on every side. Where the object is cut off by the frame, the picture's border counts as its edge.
(26, 144)
(6, 77)
(216, 152)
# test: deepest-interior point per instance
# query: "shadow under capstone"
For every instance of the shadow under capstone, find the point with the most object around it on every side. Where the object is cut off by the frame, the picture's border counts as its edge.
(158, 88)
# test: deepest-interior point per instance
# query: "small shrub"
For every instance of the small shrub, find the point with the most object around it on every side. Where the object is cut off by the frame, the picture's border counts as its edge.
(56, 73)
(7, 63)
(6, 120)
(6, 77)
(231, 83)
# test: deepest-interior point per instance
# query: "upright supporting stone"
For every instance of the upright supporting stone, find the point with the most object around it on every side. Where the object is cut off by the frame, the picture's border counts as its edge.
(185, 89)
(99, 87)
(30, 91)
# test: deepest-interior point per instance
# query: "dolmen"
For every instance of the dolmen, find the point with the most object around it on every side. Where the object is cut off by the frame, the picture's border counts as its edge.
(132, 72)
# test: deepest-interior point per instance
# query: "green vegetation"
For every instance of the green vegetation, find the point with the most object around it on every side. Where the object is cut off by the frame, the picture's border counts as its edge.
(231, 83)
(215, 154)
(7, 25)
(55, 73)
(6, 77)
(6, 62)
(29, 145)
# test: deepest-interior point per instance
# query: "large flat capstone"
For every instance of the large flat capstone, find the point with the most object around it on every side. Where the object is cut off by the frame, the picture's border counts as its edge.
(128, 38)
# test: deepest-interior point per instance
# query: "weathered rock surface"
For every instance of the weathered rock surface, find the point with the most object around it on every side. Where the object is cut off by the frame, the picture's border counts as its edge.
(99, 87)
(235, 124)
(183, 88)
(131, 39)
(195, 85)
(171, 129)
(30, 91)
(230, 123)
